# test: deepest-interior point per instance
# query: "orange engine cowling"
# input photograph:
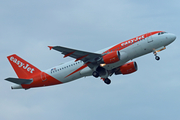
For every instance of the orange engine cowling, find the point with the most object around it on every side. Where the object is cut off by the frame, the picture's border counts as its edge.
(127, 68)
(111, 57)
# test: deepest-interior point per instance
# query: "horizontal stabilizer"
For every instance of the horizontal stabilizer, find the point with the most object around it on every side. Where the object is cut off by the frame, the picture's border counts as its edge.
(19, 81)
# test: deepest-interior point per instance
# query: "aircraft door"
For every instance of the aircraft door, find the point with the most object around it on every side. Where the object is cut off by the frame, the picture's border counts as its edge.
(43, 76)
(149, 39)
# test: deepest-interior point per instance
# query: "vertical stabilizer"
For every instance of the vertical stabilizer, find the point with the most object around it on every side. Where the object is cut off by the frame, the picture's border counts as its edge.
(22, 68)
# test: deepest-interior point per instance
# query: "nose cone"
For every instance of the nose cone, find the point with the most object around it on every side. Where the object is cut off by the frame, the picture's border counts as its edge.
(171, 37)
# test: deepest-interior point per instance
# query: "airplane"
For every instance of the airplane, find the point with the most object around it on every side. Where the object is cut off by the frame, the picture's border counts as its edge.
(103, 63)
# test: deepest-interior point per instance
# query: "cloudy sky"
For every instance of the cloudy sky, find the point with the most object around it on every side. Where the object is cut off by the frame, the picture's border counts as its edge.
(28, 27)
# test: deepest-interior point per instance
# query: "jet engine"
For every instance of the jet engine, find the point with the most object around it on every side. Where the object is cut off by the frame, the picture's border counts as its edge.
(127, 68)
(111, 57)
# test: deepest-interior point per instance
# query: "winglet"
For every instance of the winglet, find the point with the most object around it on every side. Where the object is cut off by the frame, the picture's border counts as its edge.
(50, 47)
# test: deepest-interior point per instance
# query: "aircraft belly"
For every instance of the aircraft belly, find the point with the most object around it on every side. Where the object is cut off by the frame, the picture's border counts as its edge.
(64, 79)
(86, 72)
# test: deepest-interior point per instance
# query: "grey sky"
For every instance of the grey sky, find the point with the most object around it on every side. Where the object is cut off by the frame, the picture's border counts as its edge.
(28, 27)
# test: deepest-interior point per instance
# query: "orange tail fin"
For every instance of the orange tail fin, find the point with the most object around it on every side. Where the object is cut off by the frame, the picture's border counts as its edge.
(22, 68)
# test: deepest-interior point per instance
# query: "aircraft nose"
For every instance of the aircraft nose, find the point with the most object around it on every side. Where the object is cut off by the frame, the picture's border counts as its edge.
(172, 37)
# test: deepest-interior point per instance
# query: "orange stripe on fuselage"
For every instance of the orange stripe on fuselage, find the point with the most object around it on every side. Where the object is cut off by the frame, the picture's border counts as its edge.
(129, 42)
(82, 67)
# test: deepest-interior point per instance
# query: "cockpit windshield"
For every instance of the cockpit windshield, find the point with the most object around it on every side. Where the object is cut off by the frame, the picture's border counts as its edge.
(161, 33)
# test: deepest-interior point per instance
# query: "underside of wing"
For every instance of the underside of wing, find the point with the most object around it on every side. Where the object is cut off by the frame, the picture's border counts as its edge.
(77, 54)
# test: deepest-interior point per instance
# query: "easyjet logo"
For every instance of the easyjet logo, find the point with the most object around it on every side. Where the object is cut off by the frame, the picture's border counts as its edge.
(22, 65)
(133, 40)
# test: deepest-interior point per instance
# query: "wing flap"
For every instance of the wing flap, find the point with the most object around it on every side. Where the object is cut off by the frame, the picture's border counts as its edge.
(19, 81)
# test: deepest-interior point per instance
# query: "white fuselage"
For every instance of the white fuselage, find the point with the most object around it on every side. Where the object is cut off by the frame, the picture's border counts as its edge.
(136, 49)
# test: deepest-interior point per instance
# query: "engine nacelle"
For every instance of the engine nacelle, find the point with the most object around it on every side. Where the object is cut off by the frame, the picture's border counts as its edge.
(127, 68)
(111, 57)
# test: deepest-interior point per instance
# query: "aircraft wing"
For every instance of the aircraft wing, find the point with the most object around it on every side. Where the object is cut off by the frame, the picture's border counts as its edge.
(77, 54)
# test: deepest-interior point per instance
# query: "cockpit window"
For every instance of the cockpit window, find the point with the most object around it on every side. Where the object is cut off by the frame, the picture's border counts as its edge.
(161, 33)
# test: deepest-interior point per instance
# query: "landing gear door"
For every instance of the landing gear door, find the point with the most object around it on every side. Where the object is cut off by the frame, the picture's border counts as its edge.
(149, 39)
